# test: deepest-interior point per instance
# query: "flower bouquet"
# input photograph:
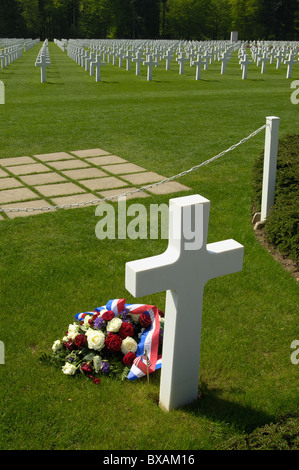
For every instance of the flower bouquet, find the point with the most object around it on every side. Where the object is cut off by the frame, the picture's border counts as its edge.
(118, 339)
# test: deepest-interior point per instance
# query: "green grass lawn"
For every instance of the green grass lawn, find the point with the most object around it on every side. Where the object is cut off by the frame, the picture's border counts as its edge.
(52, 265)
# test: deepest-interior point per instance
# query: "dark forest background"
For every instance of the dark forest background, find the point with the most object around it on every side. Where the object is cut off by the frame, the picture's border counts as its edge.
(150, 19)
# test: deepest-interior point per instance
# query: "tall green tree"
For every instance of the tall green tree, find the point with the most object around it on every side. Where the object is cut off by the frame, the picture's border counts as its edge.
(12, 23)
(278, 19)
(188, 19)
(221, 19)
(245, 18)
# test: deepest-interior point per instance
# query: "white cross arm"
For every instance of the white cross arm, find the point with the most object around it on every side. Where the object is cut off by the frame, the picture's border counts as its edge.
(226, 257)
(197, 261)
(156, 270)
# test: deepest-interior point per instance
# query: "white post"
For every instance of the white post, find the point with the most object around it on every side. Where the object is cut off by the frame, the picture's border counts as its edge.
(270, 160)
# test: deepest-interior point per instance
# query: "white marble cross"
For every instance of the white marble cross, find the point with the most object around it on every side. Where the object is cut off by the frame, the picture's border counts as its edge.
(168, 56)
(244, 62)
(264, 59)
(128, 57)
(138, 59)
(197, 62)
(290, 61)
(181, 60)
(97, 64)
(149, 62)
(182, 270)
(2, 59)
(224, 59)
(43, 62)
(279, 57)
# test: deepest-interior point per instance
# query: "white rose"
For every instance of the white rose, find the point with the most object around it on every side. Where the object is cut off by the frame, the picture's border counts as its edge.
(128, 345)
(85, 325)
(95, 339)
(69, 369)
(114, 325)
(73, 331)
(97, 360)
(57, 345)
(135, 317)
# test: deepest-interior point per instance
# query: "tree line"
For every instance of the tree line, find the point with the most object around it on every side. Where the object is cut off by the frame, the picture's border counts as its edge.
(150, 19)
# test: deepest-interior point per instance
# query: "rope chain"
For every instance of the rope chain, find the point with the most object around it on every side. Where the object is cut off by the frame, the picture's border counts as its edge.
(144, 188)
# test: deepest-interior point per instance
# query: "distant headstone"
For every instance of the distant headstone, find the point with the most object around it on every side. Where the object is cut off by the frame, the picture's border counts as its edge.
(234, 36)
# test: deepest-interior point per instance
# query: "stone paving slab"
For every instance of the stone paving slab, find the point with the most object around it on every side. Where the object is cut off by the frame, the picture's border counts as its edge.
(110, 159)
(123, 168)
(84, 173)
(6, 183)
(50, 157)
(143, 178)
(168, 188)
(19, 205)
(59, 189)
(42, 178)
(16, 161)
(54, 176)
(69, 164)
(103, 183)
(18, 194)
(74, 199)
(26, 169)
(112, 192)
(3, 174)
(89, 153)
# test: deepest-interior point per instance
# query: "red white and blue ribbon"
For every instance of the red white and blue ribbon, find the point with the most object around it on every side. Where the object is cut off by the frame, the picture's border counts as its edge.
(149, 340)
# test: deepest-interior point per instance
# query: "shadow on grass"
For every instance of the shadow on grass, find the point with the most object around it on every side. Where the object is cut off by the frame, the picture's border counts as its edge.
(55, 83)
(210, 404)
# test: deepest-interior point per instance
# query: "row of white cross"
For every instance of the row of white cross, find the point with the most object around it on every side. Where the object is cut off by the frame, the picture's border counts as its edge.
(43, 60)
(261, 55)
(93, 54)
(13, 49)
(144, 53)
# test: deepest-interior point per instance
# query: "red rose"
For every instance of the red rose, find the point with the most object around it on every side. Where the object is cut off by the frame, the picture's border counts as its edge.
(113, 342)
(96, 381)
(107, 316)
(80, 341)
(145, 320)
(129, 358)
(125, 330)
(86, 368)
(70, 345)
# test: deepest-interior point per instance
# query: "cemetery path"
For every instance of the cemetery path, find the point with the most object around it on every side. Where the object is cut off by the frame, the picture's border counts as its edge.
(72, 177)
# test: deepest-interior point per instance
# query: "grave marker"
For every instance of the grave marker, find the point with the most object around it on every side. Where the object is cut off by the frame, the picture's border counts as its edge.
(97, 64)
(244, 64)
(182, 270)
(149, 62)
(290, 61)
(197, 62)
(181, 60)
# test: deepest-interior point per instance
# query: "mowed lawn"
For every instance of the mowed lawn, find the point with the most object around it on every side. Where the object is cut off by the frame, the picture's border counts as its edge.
(53, 266)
